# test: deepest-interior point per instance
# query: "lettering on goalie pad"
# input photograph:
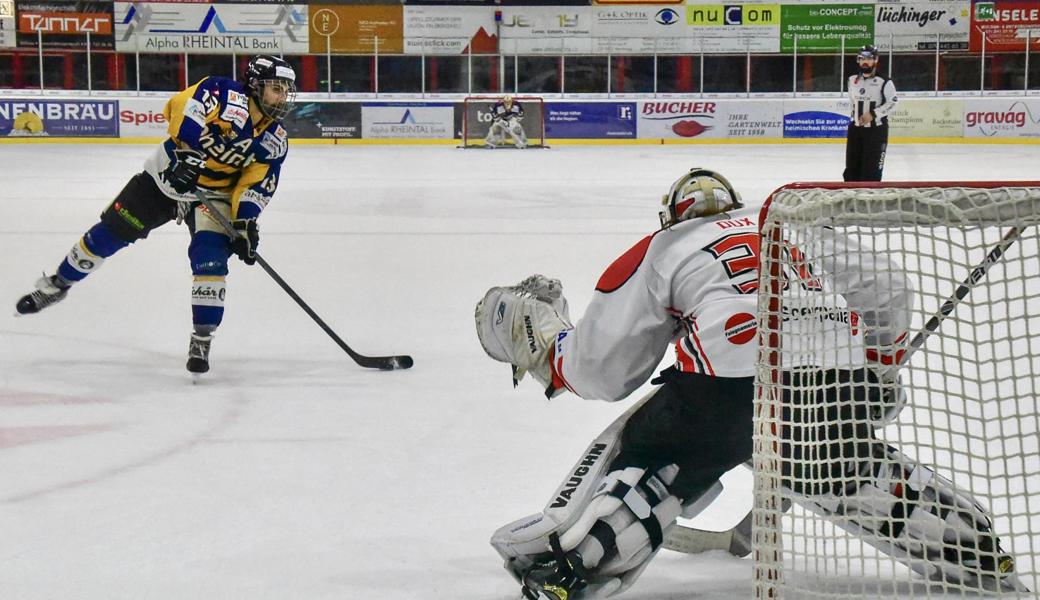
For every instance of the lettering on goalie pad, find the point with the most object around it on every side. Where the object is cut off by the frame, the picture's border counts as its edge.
(615, 521)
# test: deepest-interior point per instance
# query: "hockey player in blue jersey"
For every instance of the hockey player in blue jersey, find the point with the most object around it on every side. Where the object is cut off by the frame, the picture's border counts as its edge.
(506, 117)
(226, 140)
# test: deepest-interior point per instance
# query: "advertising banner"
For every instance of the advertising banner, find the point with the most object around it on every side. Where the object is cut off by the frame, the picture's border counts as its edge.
(755, 119)
(142, 118)
(1004, 24)
(210, 28)
(736, 27)
(8, 36)
(824, 118)
(407, 120)
(356, 29)
(58, 118)
(324, 120)
(588, 120)
(679, 119)
(819, 27)
(546, 30)
(927, 117)
(64, 23)
(1005, 118)
(620, 29)
(908, 25)
(449, 30)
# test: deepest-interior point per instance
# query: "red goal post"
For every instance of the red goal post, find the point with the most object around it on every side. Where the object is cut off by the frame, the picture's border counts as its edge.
(476, 119)
(971, 251)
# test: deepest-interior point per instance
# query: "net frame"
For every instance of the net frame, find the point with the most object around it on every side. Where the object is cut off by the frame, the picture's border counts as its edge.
(535, 137)
(884, 207)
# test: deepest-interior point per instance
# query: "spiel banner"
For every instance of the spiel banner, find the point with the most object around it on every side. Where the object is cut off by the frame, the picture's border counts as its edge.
(909, 25)
(142, 118)
(58, 118)
(210, 28)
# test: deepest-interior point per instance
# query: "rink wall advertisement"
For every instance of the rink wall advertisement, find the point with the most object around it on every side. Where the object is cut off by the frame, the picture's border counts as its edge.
(663, 120)
(909, 25)
(590, 121)
(58, 118)
(8, 35)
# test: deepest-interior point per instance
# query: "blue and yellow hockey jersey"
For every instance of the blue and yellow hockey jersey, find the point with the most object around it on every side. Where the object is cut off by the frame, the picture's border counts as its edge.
(244, 150)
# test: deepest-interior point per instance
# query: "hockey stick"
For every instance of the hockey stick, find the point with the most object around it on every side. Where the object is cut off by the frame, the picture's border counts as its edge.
(385, 363)
(737, 540)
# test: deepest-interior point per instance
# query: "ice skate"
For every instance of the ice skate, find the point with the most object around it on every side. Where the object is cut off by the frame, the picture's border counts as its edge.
(50, 289)
(198, 353)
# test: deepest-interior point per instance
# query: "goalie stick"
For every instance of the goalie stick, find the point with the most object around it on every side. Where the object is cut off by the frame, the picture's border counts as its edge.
(385, 363)
(737, 539)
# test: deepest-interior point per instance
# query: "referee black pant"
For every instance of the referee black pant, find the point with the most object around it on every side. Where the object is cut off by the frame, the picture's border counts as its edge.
(865, 153)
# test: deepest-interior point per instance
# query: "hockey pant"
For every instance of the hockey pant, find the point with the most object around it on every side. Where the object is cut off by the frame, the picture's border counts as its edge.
(501, 128)
(660, 460)
(837, 468)
(136, 211)
(865, 153)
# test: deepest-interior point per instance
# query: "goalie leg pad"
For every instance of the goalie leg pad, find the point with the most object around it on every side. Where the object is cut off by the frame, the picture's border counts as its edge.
(905, 509)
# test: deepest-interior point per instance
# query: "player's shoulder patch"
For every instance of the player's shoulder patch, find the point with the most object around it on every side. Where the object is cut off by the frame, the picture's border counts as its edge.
(626, 265)
(235, 114)
(275, 141)
(238, 99)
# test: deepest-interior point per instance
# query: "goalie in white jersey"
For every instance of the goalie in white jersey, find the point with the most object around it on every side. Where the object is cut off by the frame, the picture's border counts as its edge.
(693, 284)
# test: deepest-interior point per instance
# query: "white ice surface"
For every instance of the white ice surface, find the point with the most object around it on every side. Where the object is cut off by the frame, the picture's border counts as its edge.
(289, 472)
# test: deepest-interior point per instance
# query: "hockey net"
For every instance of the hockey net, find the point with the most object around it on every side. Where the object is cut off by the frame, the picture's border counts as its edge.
(972, 415)
(476, 120)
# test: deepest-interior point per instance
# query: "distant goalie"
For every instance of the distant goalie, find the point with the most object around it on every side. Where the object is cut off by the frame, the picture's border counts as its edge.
(506, 117)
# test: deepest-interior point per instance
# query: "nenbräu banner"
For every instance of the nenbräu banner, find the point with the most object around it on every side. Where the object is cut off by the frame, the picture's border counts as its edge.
(23, 117)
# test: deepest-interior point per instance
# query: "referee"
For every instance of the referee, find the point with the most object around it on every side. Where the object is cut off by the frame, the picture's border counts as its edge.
(873, 97)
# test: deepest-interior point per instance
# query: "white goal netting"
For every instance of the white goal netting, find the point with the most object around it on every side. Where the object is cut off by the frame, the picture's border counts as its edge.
(942, 498)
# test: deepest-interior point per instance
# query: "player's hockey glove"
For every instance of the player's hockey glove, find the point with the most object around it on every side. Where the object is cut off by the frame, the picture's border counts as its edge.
(184, 170)
(245, 243)
(519, 325)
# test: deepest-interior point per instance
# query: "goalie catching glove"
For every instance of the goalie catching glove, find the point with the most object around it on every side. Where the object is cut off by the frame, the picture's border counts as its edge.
(519, 325)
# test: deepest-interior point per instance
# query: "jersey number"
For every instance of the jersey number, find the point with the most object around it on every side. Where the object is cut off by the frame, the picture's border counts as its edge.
(738, 253)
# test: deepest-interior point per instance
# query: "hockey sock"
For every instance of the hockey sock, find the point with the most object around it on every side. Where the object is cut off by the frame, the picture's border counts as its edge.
(86, 256)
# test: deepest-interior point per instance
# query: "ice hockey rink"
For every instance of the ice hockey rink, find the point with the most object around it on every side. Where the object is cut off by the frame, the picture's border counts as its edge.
(288, 471)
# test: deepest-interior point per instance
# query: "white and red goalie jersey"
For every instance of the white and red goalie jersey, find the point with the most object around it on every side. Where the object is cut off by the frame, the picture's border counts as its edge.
(695, 285)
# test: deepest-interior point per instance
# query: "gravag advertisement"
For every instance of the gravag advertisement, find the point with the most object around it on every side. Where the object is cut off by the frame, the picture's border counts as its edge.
(588, 120)
(58, 118)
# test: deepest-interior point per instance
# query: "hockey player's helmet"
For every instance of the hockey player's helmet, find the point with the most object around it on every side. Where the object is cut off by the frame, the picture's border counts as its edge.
(698, 193)
(271, 73)
(868, 51)
(507, 101)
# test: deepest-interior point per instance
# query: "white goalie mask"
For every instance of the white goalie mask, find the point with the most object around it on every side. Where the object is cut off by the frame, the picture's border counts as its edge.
(698, 193)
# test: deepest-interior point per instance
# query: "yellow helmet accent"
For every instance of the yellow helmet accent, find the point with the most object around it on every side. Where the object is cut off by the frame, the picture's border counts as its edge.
(698, 193)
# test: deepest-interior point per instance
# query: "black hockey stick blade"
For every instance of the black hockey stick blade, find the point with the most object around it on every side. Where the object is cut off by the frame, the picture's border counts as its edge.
(384, 363)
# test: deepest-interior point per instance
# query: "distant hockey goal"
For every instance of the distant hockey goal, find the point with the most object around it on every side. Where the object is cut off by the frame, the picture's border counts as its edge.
(476, 120)
(944, 499)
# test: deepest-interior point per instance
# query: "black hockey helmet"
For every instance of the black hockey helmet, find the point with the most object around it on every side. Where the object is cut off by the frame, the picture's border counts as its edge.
(868, 51)
(270, 72)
